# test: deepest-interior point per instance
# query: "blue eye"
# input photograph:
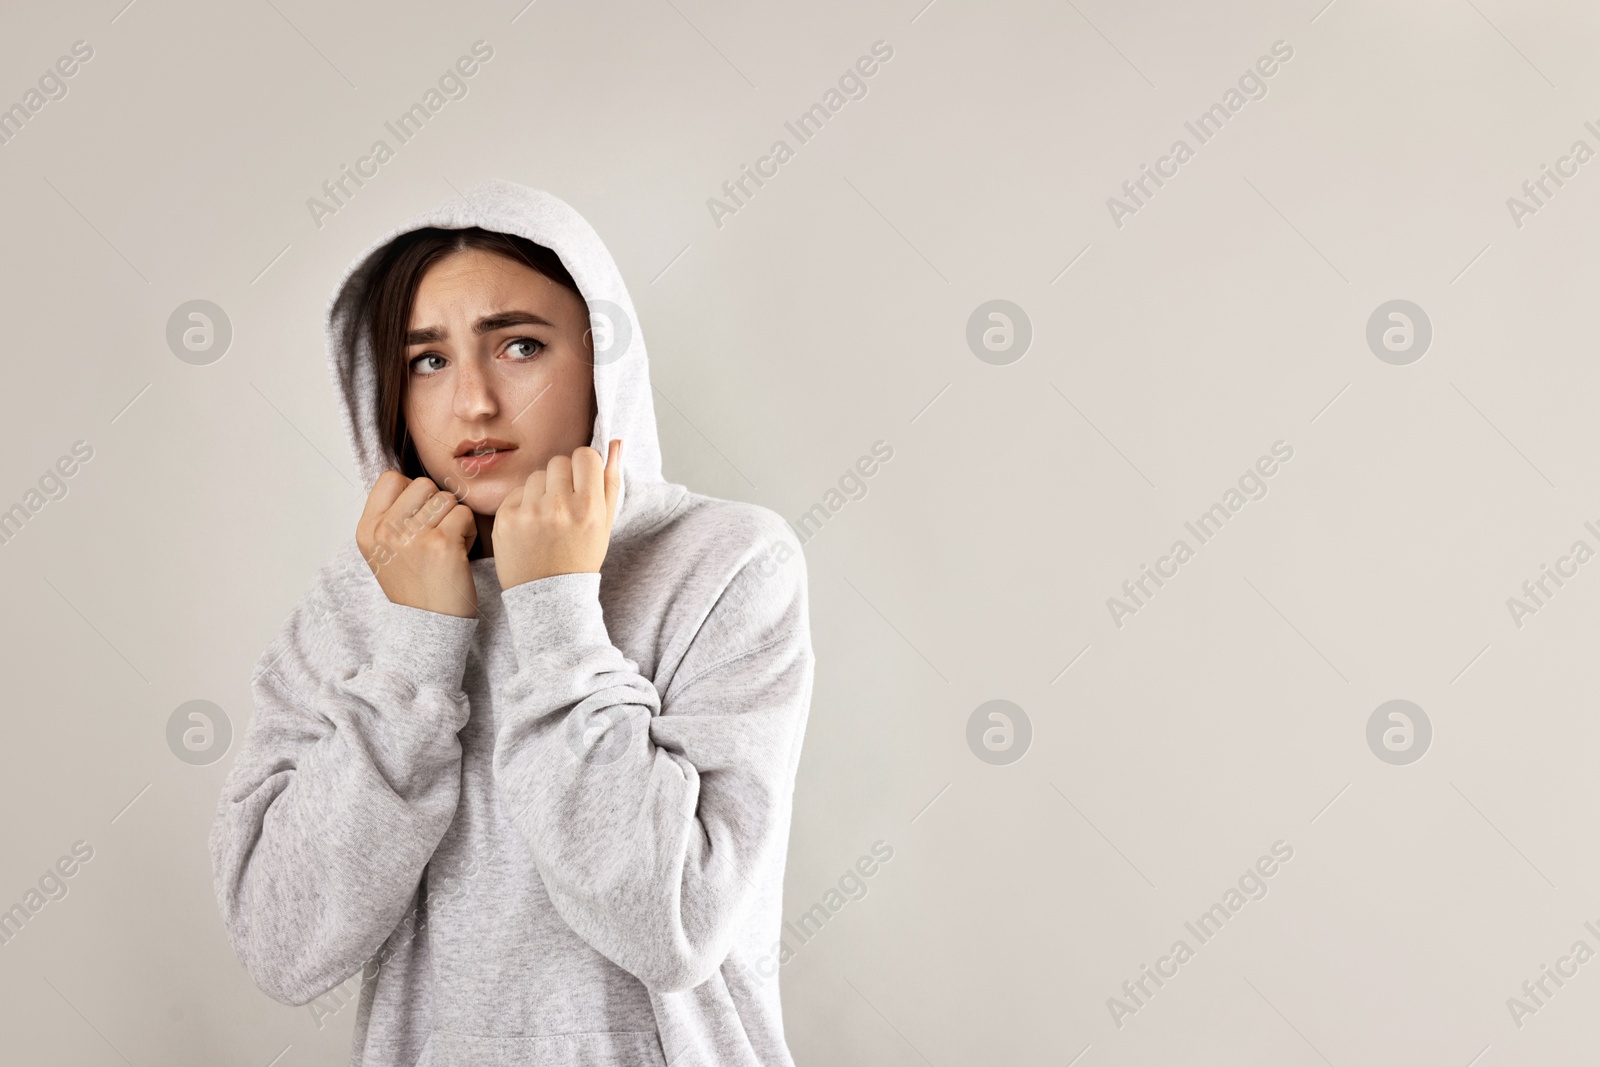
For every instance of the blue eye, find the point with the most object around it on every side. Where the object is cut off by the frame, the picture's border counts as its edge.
(515, 341)
(426, 355)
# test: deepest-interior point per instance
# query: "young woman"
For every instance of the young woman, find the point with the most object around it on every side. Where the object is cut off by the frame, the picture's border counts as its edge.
(524, 754)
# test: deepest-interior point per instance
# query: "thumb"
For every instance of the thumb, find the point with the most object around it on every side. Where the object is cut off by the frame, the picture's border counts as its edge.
(613, 478)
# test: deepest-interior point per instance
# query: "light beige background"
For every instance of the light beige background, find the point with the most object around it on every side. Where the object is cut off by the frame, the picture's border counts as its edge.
(1227, 314)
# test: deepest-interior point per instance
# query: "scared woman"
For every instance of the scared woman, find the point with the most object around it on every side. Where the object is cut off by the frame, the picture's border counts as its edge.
(524, 754)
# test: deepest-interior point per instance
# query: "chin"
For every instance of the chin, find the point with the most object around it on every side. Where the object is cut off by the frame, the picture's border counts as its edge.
(486, 501)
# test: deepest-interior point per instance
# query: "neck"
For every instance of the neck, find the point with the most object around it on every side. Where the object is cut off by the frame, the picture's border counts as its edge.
(483, 547)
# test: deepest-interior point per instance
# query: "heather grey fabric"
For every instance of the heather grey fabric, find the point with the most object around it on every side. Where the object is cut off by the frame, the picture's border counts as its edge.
(555, 833)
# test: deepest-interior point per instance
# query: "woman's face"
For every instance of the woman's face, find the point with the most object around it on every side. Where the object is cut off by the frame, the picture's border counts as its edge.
(500, 356)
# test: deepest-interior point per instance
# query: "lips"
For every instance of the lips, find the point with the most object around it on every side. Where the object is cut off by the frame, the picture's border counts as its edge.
(483, 445)
(481, 454)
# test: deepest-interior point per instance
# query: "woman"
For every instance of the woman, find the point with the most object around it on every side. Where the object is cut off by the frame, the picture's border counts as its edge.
(524, 754)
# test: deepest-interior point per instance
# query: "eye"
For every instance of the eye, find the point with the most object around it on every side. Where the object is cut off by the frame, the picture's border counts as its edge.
(533, 347)
(425, 371)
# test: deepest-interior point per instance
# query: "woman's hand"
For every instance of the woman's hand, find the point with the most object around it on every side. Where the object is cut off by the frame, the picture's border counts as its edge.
(559, 521)
(415, 537)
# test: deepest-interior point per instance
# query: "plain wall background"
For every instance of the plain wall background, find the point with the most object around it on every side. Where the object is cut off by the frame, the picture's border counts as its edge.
(831, 312)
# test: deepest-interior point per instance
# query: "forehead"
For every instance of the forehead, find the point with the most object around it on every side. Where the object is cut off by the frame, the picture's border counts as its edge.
(475, 282)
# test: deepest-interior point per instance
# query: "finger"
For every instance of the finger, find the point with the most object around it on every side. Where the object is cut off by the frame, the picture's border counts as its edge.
(613, 477)
(434, 510)
(460, 522)
(558, 475)
(411, 499)
(533, 489)
(587, 472)
(454, 486)
(413, 496)
(384, 493)
(402, 514)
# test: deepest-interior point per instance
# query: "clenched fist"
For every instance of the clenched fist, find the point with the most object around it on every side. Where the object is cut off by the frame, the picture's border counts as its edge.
(415, 537)
(559, 521)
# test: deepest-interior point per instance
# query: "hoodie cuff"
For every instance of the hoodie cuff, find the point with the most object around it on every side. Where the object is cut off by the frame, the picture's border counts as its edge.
(424, 647)
(554, 613)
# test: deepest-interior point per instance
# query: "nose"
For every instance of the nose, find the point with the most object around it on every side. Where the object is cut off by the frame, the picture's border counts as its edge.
(475, 394)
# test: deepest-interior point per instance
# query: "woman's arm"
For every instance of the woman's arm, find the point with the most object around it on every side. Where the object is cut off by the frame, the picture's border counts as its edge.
(653, 818)
(345, 782)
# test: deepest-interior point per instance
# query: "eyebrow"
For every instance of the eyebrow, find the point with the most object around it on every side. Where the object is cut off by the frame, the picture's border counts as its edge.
(489, 323)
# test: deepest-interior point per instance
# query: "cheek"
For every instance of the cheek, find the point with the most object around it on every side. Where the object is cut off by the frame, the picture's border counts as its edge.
(424, 424)
(567, 385)
(578, 385)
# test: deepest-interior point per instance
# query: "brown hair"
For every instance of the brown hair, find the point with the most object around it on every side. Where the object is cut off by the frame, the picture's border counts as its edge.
(384, 312)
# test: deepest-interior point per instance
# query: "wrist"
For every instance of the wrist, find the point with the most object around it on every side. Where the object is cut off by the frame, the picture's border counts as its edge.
(425, 647)
(514, 573)
(555, 612)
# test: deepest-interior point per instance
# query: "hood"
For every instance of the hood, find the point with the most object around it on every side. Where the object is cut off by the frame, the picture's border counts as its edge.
(621, 375)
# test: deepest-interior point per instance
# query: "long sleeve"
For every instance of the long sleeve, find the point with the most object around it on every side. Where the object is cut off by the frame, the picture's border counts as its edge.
(346, 780)
(654, 818)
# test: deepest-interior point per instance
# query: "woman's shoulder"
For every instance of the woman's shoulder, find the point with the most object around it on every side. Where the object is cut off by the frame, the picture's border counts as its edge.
(726, 535)
(732, 558)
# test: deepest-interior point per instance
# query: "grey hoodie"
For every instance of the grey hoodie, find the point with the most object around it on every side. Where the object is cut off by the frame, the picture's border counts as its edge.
(555, 833)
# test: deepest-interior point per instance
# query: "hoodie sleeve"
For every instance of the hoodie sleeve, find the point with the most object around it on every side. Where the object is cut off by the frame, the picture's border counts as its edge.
(654, 818)
(345, 781)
